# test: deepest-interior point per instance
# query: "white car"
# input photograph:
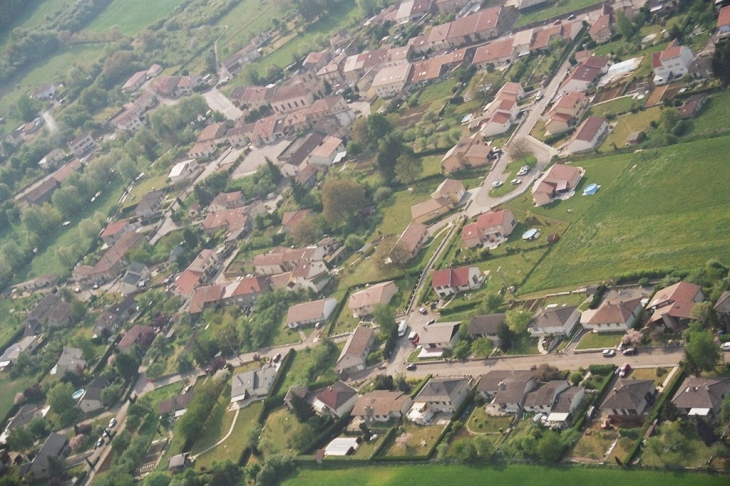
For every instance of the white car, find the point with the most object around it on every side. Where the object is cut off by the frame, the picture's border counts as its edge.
(609, 353)
(523, 170)
(725, 346)
(515, 182)
(497, 184)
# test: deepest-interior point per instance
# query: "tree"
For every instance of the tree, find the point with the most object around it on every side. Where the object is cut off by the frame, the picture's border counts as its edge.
(38, 427)
(575, 378)
(157, 478)
(701, 353)
(20, 439)
(384, 316)
(60, 398)
(354, 242)
(390, 148)
(546, 372)
(492, 304)
(632, 337)
(383, 382)
(121, 441)
(518, 320)
(520, 149)
(505, 335)
(721, 63)
(301, 408)
(549, 447)
(308, 231)
(27, 108)
(462, 350)
(668, 118)
(482, 347)
(342, 199)
(225, 472)
(408, 168)
(464, 451)
(126, 365)
(625, 26)
(156, 369)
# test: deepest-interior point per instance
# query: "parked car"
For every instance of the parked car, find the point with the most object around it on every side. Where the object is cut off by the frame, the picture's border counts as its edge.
(430, 322)
(99, 443)
(112, 423)
(523, 170)
(515, 182)
(624, 370)
(609, 353)
(497, 184)
(725, 346)
(411, 367)
(277, 358)
(423, 310)
(630, 351)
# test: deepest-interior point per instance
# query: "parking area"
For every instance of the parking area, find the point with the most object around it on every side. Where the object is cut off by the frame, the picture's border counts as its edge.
(257, 158)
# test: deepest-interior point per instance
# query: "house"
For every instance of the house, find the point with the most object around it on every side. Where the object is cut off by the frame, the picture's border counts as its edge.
(439, 395)
(722, 306)
(543, 399)
(91, 399)
(497, 124)
(207, 294)
(135, 278)
(390, 81)
(629, 398)
(565, 404)
(36, 283)
(588, 136)
(55, 447)
(246, 291)
(469, 152)
(235, 222)
(39, 315)
(44, 92)
(450, 189)
(355, 353)
(12, 352)
(566, 112)
(110, 265)
(25, 415)
(324, 154)
(363, 302)
(115, 315)
(337, 400)
(176, 406)
(559, 181)
(252, 385)
(82, 144)
(293, 97)
(672, 306)
(486, 326)
(150, 204)
(281, 259)
(494, 382)
(381, 406)
(179, 462)
(490, 229)
(71, 359)
(306, 275)
(439, 336)
(430, 209)
(612, 315)
(355, 66)
(543, 37)
(138, 336)
(135, 82)
(51, 159)
(671, 63)
(497, 53)
(145, 101)
(226, 200)
(249, 53)
(201, 150)
(602, 28)
(409, 242)
(412, 10)
(580, 79)
(290, 220)
(450, 281)
(698, 396)
(310, 312)
(723, 23)
(512, 391)
(114, 231)
(176, 86)
(480, 26)
(129, 120)
(42, 192)
(316, 60)
(448, 6)
(215, 132)
(554, 320)
(182, 171)
(692, 106)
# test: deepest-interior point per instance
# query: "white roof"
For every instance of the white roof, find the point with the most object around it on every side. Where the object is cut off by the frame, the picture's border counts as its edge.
(557, 417)
(179, 168)
(341, 446)
(702, 412)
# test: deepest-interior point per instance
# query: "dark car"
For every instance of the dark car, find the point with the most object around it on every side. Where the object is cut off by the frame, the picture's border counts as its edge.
(411, 367)
(630, 352)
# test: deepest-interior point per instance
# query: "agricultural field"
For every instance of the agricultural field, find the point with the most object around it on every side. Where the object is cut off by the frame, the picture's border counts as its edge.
(437, 475)
(613, 236)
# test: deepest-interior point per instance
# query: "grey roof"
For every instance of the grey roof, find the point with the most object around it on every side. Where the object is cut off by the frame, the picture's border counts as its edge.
(24, 416)
(298, 390)
(510, 391)
(441, 389)
(178, 402)
(723, 303)
(698, 392)
(553, 316)
(52, 447)
(628, 394)
(70, 359)
(93, 391)
(44, 307)
(562, 405)
(545, 395)
(254, 383)
(485, 324)
(176, 461)
(489, 382)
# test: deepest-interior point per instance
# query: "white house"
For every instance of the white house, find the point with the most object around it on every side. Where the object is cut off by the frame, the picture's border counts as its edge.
(673, 62)
(558, 321)
(589, 135)
(336, 400)
(451, 281)
(613, 315)
(391, 80)
(183, 171)
(324, 154)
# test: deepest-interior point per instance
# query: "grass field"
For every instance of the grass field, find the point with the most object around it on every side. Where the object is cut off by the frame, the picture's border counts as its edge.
(245, 20)
(127, 15)
(480, 422)
(629, 123)
(297, 374)
(714, 117)
(523, 475)
(436, 92)
(593, 340)
(10, 388)
(232, 448)
(280, 427)
(615, 106)
(649, 218)
(558, 8)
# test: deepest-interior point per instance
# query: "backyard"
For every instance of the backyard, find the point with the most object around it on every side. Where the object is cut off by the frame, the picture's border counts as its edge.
(232, 448)
(415, 440)
(594, 340)
(482, 423)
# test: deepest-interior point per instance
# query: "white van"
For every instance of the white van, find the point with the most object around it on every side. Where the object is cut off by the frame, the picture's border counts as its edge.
(402, 328)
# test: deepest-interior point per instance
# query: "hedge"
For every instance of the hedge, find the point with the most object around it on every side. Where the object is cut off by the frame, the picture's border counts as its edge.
(387, 439)
(420, 386)
(283, 369)
(668, 392)
(330, 432)
(602, 369)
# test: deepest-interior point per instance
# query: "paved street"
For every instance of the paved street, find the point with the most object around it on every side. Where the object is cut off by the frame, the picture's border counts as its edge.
(218, 102)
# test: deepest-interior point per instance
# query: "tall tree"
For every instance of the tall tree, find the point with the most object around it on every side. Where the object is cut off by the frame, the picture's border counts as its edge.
(408, 168)
(384, 316)
(301, 408)
(341, 199)
(60, 398)
(520, 149)
(701, 353)
(721, 63)
(518, 320)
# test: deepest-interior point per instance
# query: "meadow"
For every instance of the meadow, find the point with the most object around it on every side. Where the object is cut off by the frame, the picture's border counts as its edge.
(436, 475)
(126, 15)
(669, 209)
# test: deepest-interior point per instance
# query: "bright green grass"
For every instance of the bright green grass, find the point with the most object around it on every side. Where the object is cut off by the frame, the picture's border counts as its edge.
(132, 15)
(47, 262)
(10, 388)
(629, 123)
(281, 427)
(593, 340)
(245, 20)
(297, 374)
(218, 423)
(714, 117)
(436, 92)
(232, 448)
(438, 475)
(669, 211)
(558, 8)
(397, 211)
(431, 165)
(615, 106)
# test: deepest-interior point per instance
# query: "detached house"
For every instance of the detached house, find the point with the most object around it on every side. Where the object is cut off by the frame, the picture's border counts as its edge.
(701, 397)
(252, 385)
(226, 200)
(381, 406)
(612, 315)
(71, 360)
(363, 302)
(138, 336)
(410, 242)
(568, 110)
(150, 204)
(558, 321)
(355, 353)
(82, 144)
(671, 63)
(439, 337)
(629, 398)
(310, 312)
(469, 152)
(582, 78)
(497, 53)
(91, 399)
(451, 281)
(439, 395)
(54, 448)
(486, 326)
(722, 306)
(723, 23)
(559, 181)
(602, 29)
(672, 306)
(589, 135)
(543, 399)
(336, 400)
(490, 229)
(511, 386)
(114, 231)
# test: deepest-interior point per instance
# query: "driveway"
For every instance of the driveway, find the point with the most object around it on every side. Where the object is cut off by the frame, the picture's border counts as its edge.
(257, 158)
(217, 101)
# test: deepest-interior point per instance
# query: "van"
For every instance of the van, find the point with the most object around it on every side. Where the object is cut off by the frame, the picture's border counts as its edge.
(402, 328)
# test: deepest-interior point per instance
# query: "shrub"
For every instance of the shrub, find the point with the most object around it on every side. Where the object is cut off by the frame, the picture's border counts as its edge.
(601, 369)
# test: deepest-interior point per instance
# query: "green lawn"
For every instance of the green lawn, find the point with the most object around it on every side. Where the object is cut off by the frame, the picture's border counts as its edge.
(437, 92)
(714, 117)
(397, 211)
(244, 21)
(415, 440)
(233, 447)
(523, 475)
(629, 123)
(218, 423)
(488, 424)
(593, 340)
(431, 165)
(298, 373)
(10, 388)
(144, 187)
(128, 14)
(558, 8)
(280, 427)
(694, 454)
(615, 106)
(642, 220)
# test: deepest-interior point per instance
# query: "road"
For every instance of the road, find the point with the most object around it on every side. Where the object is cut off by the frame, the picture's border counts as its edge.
(217, 101)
